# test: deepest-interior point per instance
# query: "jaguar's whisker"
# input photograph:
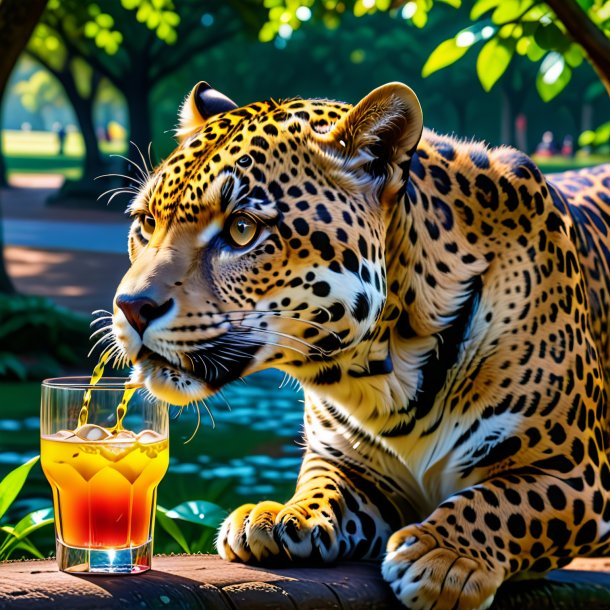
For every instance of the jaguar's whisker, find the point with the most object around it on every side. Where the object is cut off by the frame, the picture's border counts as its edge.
(141, 157)
(145, 176)
(117, 190)
(96, 320)
(93, 313)
(101, 340)
(308, 322)
(124, 176)
(107, 328)
(150, 162)
(289, 337)
(223, 396)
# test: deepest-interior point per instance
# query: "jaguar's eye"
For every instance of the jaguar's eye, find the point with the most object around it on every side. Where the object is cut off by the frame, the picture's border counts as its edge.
(147, 226)
(242, 230)
(244, 161)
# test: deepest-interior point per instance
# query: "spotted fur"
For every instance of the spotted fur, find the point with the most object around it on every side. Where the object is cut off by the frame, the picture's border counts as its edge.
(443, 304)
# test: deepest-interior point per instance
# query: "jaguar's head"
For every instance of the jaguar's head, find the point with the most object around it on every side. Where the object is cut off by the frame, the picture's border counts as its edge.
(259, 242)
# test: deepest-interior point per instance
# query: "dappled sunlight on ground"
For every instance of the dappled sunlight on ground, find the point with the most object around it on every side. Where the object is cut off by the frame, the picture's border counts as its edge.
(83, 281)
(37, 181)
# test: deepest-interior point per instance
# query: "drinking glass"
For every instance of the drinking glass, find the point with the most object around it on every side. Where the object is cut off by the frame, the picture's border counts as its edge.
(104, 463)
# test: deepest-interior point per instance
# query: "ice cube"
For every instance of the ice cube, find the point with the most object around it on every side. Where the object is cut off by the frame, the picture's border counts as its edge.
(62, 435)
(148, 436)
(91, 432)
(123, 436)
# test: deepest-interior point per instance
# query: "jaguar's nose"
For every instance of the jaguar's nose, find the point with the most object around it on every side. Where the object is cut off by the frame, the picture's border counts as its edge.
(140, 311)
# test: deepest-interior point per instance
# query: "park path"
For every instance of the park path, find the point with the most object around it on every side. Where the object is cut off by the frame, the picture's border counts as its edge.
(75, 256)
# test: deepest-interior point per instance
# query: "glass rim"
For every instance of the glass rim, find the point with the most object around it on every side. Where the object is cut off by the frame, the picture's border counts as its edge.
(82, 382)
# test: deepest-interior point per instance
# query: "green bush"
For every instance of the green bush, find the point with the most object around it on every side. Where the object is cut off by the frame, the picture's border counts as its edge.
(38, 338)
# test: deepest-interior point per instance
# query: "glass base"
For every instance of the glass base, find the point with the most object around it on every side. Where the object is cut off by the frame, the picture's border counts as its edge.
(132, 560)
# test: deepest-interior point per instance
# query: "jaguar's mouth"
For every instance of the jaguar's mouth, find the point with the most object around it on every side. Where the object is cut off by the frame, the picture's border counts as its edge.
(215, 364)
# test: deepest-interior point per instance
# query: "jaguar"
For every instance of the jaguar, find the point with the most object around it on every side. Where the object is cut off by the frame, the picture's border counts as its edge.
(443, 304)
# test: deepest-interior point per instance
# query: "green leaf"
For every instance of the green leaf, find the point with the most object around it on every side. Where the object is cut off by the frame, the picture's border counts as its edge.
(510, 10)
(33, 520)
(481, 7)
(28, 547)
(91, 29)
(550, 38)
(554, 74)
(171, 18)
(447, 53)
(586, 138)
(104, 20)
(534, 52)
(420, 18)
(12, 483)
(574, 55)
(594, 90)
(9, 363)
(453, 3)
(199, 512)
(171, 528)
(493, 60)
(602, 134)
(360, 9)
(27, 525)
(143, 12)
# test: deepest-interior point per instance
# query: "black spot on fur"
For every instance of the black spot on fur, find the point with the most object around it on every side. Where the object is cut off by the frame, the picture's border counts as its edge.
(361, 307)
(321, 242)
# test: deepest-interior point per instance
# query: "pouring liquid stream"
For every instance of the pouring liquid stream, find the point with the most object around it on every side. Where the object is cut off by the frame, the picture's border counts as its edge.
(121, 409)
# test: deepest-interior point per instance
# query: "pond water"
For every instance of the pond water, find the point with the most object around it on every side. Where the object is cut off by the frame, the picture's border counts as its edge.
(252, 453)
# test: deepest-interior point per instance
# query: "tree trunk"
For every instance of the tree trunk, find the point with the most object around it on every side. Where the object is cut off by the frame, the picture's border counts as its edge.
(93, 164)
(83, 109)
(586, 117)
(506, 119)
(3, 175)
(17, 21)
(137, 96)
(3, 169)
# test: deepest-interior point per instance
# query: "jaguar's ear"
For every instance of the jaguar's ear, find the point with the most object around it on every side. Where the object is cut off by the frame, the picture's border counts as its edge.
(384, 126)
(201, 103)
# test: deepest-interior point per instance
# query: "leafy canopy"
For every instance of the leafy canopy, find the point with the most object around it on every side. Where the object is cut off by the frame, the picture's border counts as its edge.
(501, 30)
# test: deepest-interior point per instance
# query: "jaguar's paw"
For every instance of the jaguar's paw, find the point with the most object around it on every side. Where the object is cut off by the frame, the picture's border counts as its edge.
(268, 530)
(425, 574)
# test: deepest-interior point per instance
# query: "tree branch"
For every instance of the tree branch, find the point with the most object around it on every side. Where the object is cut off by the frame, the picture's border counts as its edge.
(96, 64)
(17, 21)
(44, 63)
(583, 31)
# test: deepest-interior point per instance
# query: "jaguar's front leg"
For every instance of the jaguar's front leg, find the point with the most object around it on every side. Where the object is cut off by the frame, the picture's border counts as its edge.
(459, 556)
(335, 513)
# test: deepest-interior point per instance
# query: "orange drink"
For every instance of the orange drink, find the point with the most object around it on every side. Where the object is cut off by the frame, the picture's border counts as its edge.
(104, 469)
(104, 490)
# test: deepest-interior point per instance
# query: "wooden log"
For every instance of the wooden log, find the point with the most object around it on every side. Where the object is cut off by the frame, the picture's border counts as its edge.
(207, 582)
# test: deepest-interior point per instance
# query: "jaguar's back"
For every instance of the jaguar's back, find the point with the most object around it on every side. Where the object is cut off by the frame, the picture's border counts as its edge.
(587, 196)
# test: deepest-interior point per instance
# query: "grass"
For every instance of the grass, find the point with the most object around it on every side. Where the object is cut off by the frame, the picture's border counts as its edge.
(44, 144)
(561, 164)
(30, 152)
